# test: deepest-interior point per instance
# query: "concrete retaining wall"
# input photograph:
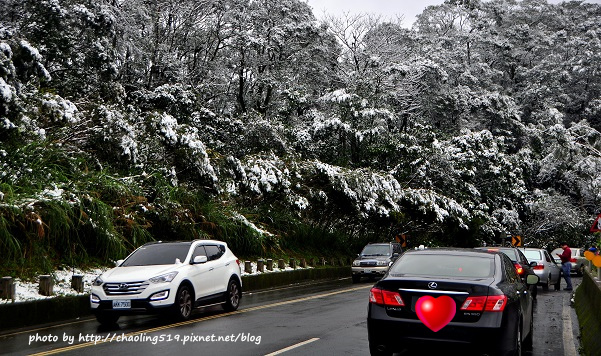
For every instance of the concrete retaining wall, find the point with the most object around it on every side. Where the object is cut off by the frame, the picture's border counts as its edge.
(588, 309)
(17, 315)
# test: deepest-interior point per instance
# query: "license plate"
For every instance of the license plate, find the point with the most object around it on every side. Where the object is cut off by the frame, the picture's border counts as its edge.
(121, 304)
(367, 271)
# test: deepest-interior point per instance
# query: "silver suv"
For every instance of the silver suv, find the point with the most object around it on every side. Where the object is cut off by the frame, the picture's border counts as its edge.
(375, 259)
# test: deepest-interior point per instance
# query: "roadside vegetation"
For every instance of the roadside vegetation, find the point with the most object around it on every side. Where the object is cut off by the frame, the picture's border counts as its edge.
(123, 122)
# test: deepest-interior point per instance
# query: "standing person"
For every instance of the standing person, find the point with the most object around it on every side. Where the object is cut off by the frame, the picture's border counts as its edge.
(566, 266)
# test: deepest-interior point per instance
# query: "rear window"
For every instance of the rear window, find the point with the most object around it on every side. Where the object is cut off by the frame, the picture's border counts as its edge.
(510, 253)
(444, 266)
(533, 255)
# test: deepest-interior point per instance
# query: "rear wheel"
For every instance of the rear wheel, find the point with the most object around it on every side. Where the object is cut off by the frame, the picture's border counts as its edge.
(580, 271)
(183, 303)
(105, 318)
(233, 296)
(527, 345)
(518, 342)
(548, 284)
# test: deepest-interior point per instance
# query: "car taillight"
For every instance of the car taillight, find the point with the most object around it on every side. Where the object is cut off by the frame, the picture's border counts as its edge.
(495, 303)
(238, 262)
(518, 268)
(492, 303)
(538, 267)
(385, 297)
(474, 303)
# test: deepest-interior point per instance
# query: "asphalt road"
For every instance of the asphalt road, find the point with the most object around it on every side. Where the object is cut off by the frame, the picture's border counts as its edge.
(326, 318)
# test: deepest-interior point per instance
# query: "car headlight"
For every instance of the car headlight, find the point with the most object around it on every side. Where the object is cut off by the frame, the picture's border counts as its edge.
(94, 298)
(382, 263)
(164, 278)
(356, 263)
(160, 295)
(98, 281)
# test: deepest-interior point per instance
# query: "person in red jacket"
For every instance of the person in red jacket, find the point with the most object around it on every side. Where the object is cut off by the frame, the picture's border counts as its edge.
(566, 266)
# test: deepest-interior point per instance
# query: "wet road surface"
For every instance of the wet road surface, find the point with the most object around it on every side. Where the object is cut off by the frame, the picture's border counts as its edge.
(325, 318)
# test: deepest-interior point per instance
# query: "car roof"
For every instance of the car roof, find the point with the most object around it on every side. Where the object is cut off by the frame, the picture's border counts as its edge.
(453, 250)
(197, 241)
(495, 248)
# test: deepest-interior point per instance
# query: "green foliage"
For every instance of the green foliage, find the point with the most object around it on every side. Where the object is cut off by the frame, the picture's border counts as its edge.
(249, 122)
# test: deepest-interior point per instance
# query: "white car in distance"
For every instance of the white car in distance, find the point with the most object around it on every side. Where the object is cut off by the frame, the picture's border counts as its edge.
(168, 277)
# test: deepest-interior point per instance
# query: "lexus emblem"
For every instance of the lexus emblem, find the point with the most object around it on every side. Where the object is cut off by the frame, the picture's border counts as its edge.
(432, 285)
(123, 286)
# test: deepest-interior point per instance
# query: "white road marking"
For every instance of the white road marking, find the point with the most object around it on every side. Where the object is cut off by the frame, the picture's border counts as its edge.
(293, 347)
(569, 348)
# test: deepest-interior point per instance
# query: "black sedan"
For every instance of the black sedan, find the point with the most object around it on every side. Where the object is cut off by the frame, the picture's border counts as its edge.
(464, 298)
(521, 263)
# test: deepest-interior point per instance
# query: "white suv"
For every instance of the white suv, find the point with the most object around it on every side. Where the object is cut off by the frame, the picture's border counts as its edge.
(172, 277)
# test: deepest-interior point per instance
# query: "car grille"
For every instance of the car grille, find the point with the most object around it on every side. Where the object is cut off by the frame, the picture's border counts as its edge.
(368, 264)
(130, 288)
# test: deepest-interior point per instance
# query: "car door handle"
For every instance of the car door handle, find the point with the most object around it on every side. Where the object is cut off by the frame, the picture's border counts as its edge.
(227, 264)
(212, 268)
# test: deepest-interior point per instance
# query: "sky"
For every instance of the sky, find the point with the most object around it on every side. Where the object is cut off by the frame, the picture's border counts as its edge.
(408, 9)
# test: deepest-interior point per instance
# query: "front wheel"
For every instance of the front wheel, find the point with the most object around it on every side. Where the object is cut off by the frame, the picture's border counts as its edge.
(182, 309)
(233, 296)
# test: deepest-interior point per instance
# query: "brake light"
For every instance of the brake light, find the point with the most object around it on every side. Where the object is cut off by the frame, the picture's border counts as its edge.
(474, 303)
(385, 297)
(375, 296)
(518, 268)
(238, 262)
(538, 267)
(495, 303)
(492, 303)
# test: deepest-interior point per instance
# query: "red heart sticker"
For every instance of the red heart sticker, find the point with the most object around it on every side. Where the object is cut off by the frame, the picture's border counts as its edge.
(435, 313)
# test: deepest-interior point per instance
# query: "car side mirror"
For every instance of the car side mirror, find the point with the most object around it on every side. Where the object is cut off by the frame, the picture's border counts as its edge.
(533, 264)
(118, 263)
(199, 259)
(532, 279)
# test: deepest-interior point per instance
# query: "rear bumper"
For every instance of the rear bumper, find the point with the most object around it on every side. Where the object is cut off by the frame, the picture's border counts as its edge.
(491, 332)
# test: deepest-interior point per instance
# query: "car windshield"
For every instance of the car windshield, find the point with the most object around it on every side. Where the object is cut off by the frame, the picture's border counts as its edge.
(376, 250)
(158, 254)
(440, 265)
(533, 255)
